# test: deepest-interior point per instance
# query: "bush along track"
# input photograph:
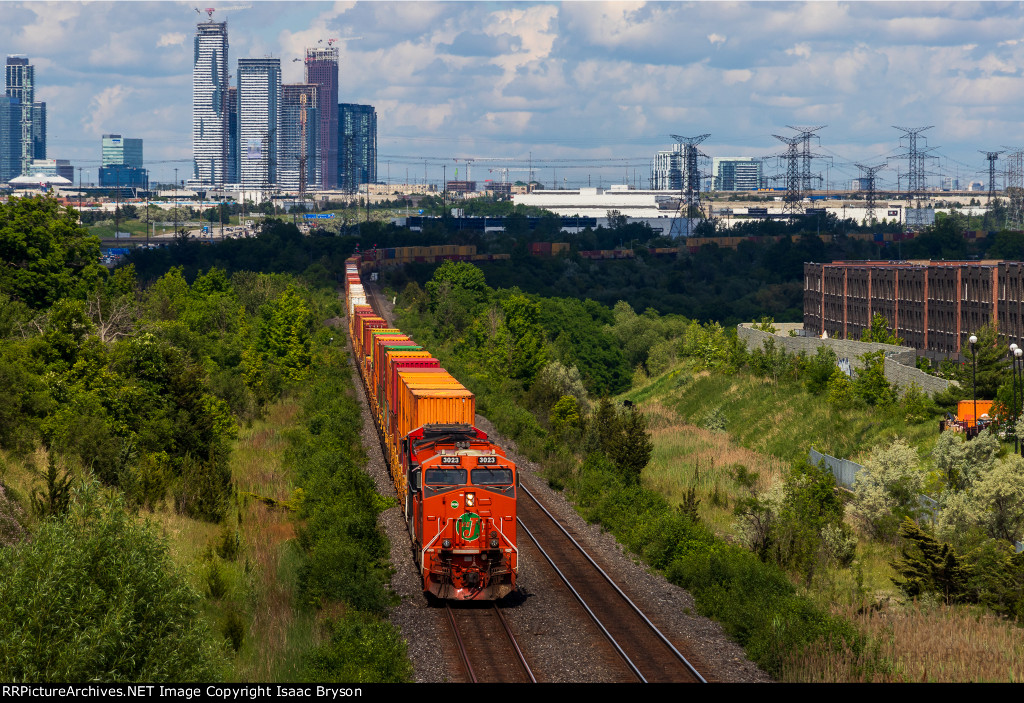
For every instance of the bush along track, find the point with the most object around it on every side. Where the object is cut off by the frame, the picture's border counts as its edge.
(345, 556)
(536, 390)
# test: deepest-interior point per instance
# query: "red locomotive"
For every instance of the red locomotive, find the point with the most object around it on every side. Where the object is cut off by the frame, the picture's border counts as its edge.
(458, 488)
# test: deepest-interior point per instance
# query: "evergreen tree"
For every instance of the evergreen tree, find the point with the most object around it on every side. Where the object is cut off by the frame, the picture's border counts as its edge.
(928, 566)
(988, 366)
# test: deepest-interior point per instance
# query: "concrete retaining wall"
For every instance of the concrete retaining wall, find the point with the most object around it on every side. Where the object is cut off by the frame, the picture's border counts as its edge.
(902, 376)
(900, 369)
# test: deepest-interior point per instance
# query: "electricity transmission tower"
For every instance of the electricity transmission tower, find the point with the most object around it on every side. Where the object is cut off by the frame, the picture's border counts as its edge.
(1015, 186)
(991, 156)
(793, 199)
(689, 191)
(805, 135)
(869, 175)
(916, 175)
(798, 156)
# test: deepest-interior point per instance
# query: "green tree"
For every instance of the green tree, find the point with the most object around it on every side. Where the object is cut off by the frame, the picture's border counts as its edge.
(454, 294)
(879, 332)
(992, 364)
(928, 566)
(95, 597)
(819, 369)
(518, 348)
(565, 415)
(621, 434)
(44, 254)
(285, 335)
(871, 385)
(810, 506)
(886, 490)
(840, 393)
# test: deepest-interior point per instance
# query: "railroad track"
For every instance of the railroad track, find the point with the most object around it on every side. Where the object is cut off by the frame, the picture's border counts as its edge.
(490, 653)
(487, 647)
(650, 656)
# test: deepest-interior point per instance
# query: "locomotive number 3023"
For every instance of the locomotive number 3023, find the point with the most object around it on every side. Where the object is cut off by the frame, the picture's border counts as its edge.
(451, 460)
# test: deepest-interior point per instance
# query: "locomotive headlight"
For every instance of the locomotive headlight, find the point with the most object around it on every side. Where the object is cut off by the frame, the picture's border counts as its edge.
(471, 500)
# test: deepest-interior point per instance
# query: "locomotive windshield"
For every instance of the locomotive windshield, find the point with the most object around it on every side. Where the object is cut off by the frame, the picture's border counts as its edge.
(492, 477)
(446, 477)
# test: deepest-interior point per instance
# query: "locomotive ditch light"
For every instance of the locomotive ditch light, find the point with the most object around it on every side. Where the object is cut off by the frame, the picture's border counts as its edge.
(446, 544)
(494, 542)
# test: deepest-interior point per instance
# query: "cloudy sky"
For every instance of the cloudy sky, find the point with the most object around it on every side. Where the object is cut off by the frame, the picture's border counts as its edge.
(586, 90)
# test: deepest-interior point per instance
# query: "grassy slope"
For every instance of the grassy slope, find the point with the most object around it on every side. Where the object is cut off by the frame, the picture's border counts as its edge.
(763, 432)
(784, 421)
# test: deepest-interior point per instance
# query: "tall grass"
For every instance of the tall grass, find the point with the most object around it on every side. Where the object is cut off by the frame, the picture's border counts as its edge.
(921, 642)
(686, 456)
(783, 419)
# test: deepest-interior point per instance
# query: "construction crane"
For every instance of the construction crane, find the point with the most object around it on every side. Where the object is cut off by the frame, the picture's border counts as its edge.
(469, 166)
(210, 10)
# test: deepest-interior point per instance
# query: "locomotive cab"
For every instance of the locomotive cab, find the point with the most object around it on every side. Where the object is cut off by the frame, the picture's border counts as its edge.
(460, 505)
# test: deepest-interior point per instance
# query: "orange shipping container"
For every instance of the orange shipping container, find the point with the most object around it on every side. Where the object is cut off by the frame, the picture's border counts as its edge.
(421, 407)
(965, 410)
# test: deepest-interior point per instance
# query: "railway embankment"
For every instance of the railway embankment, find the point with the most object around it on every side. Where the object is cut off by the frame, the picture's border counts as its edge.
(558, 628)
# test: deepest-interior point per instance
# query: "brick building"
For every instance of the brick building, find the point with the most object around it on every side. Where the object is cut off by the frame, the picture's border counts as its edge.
(933, 305)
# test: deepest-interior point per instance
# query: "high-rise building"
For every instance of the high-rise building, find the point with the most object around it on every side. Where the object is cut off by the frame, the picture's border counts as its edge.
(21, 85)
(121, 161)
(736, 173)
(667, 170)
(299, 119)
(38, 130)
(209, 104)
(322, 71)
(232, 168)
(119, 151)
(259, 118)
(357, 146)
(10, 138)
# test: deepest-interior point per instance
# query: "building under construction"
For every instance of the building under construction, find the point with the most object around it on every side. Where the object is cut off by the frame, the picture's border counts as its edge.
(934, 306)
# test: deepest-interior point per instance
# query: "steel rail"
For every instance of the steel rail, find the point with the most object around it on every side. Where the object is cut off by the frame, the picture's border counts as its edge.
(460, 643)
(515, 644)
(614, 585)
(591, 613)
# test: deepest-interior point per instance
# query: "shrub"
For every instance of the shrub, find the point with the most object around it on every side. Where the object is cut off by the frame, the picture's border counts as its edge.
(360, 649)
(95, 596)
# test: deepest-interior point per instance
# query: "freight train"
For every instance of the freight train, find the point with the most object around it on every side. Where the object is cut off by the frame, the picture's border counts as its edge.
(457, 487)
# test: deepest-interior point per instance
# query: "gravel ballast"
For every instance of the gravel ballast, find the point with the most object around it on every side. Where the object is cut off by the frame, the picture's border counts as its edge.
(554, 632)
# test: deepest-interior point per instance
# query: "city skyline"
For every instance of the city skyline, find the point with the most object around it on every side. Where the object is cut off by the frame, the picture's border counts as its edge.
(581, 89)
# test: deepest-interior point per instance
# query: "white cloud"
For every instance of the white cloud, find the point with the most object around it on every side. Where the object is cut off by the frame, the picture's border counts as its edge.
(716, 38)
(802, 50)
(103, 108)
(171, 39)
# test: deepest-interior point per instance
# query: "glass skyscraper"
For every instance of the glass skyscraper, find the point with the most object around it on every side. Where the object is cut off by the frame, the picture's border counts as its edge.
(322, 71)
(209, 104)
(259, 119)
(357, 146)
(20, 82)
(119, 151)
(121, 161)
(10, 138)
(298, 118)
